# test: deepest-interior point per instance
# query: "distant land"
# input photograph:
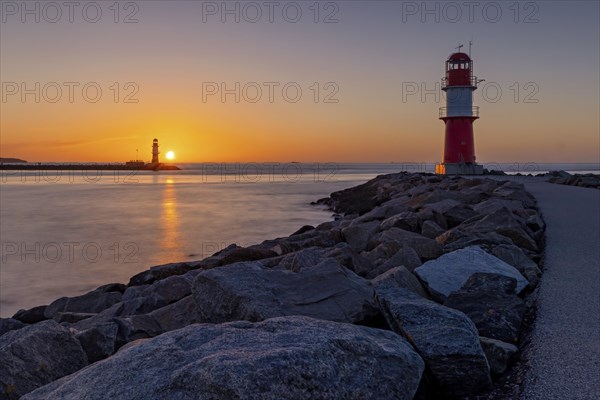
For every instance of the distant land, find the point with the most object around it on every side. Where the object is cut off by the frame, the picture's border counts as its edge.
(130, 166)
(12, 160)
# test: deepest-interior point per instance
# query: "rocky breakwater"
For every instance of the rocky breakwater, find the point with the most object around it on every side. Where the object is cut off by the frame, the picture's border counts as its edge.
(581, 180)
(416, 290)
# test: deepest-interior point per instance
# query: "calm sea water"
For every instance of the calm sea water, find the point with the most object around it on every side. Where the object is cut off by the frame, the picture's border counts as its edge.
(63, 234)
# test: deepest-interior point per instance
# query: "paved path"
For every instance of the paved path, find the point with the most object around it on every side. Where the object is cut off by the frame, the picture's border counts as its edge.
(565, 357)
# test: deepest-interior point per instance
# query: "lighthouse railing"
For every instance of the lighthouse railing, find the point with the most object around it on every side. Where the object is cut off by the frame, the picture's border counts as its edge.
(474, 113)
(473, 82)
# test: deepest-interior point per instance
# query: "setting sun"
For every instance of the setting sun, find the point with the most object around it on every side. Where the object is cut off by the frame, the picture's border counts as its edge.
(170, 155)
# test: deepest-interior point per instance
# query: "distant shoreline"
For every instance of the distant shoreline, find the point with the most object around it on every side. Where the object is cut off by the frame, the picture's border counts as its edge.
(12, 160)
(87, 167)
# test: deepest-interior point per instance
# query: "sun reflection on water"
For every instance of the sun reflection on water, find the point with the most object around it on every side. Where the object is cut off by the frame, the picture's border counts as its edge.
(170, 241)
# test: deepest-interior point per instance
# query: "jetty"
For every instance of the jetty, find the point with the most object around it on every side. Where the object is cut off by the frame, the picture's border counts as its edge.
(89, 167)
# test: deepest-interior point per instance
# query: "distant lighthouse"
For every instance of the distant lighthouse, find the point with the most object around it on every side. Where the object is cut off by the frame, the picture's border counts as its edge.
(155, 152)
(458, 116)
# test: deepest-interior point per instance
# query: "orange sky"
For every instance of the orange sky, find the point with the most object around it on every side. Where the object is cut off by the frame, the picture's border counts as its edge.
(368, 54)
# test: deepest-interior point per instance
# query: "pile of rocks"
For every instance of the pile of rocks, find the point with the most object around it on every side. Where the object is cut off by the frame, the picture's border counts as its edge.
(582, 180)
(415, 291)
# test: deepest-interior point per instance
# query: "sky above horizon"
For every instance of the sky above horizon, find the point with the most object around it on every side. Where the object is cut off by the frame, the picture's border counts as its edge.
(345, 81)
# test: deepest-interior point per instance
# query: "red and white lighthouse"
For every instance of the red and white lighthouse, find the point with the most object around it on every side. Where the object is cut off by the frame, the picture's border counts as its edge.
(458, 116)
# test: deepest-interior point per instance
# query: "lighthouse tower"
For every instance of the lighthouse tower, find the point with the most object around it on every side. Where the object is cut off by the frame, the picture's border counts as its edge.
(458, 116)
(155, 152)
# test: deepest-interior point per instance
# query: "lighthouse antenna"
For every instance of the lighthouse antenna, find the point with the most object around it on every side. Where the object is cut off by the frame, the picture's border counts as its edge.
(460, 46)
(470, 45)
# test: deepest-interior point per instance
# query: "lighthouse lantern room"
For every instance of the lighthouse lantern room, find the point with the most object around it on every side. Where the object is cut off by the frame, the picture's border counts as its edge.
(458, 116)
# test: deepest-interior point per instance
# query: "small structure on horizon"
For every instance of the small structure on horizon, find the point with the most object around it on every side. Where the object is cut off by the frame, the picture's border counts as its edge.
(458, 116)
(155, 152)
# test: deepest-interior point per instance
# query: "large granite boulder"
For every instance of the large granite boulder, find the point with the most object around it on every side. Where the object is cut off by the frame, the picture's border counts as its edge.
(278, 359)
(227, 255)
(9, 324)
(431, 229)
(143, 299)
(515, 191)
(248, 291)
(505, 223)
(400, 277)
(491, 303)
(426, 248)
(389, 255)
(342, 252)
(35, 356)
(358, 235)
(451, 271)
(498, 353)
(99, 341)
(92, 302)
(313, 238)
(514, 256)
(406, 220)
(446, 339)
(32, 315)
(177, 315)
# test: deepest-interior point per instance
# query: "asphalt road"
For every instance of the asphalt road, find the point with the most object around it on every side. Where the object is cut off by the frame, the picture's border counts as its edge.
(565, 353)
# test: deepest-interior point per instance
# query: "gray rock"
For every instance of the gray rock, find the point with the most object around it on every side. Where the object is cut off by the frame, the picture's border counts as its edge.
(431, 229)
(456, 239)
(136, 327)
(491, 303)
(357, 236)
(159, 272)
(426, 214)
(376, 214)
(251, 253)
(492, 205)
(112, 287)
(297, 260)
(99, 338)
(177, 315)
(406, 220)
(304, 228)
(451, 271)
(396, 206)
(9, 324)
(100, 318)
(499, 354)
(446, 339)
(313, 238)
(92, 302)
(163, 292)
(35, 356)
(141, 305)
(31, 316)
(311, 256)
(426, 248)
(535, 223)
(72, 317)
(349, 258)
(400, 277)
(506, 223)
(405, 256)
(278, 359)
(442, 206)
(99, 341)
(247, 291)
(515, 191)
(514, 256)
(459, 214)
